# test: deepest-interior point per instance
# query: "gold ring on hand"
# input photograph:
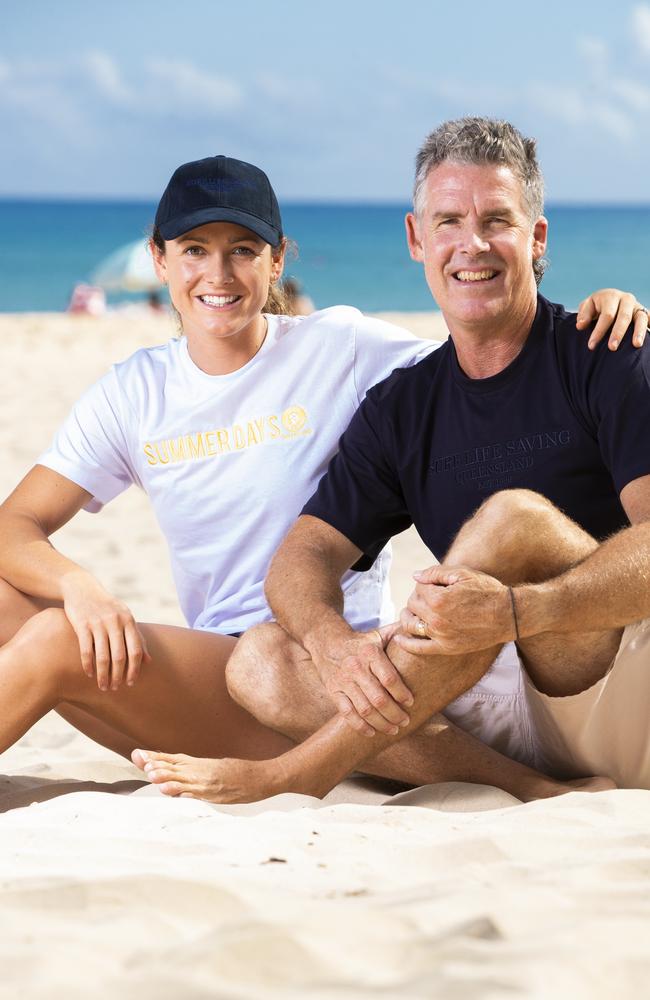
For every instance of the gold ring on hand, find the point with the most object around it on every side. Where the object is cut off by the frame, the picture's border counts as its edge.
(421, 629)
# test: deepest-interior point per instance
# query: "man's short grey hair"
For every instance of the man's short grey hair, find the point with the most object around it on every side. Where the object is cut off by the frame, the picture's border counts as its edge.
(483, 141)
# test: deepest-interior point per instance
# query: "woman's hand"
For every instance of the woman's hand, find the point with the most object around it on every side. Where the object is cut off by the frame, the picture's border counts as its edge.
(111, 645)
(611, 306)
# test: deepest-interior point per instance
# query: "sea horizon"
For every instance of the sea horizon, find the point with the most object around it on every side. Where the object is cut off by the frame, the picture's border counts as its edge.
(348, 251)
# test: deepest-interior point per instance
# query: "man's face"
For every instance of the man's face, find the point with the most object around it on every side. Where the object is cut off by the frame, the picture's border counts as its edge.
(477, 243)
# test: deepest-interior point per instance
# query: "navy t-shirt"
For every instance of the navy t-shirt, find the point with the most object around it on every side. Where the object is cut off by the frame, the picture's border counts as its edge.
(429, 444)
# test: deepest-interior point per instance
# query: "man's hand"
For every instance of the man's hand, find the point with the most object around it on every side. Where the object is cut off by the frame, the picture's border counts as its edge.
(363, 684)
(110, 642)
(461, 611)
(611, 306)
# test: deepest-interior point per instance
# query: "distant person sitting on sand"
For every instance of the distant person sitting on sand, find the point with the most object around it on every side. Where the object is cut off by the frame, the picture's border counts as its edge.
(298, 304)
(87, 300)
(155, 303)
(228, 429)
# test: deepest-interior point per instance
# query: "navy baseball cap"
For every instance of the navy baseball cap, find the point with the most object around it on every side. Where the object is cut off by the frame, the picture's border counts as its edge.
(219, 189)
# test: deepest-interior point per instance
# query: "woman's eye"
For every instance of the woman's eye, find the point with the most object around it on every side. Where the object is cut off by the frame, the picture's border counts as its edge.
(244, 252)
(194, 251)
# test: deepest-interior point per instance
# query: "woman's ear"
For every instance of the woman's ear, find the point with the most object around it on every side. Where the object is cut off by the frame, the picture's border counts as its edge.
(159, 262)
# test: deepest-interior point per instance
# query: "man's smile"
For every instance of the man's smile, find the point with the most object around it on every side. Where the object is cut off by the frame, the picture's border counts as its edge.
(475, 276)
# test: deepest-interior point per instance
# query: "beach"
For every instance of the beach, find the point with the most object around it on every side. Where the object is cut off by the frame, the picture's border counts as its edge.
(111, 889)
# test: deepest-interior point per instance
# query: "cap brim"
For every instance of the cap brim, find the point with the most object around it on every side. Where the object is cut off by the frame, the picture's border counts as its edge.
(184, 223)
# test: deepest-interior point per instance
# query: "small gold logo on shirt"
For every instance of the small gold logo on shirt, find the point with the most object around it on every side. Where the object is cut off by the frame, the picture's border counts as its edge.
(294, 419)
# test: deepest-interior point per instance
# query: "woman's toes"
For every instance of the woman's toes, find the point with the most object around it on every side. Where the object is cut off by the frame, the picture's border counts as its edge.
(140, 758)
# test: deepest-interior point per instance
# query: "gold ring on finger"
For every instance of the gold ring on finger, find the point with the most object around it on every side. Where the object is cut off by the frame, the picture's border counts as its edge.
(421, 629)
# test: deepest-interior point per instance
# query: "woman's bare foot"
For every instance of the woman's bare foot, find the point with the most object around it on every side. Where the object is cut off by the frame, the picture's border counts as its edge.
(225, 780)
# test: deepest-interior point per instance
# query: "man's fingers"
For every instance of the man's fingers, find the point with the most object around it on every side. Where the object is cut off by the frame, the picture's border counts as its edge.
(383, 703)
(368, 713)
(419, 647)
(441, 575)
(346, 709)
(391, 681)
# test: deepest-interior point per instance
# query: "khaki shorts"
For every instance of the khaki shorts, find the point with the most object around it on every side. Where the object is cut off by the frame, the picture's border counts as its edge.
(604, 730)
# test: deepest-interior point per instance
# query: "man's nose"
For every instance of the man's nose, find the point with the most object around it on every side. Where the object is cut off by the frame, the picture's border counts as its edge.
(474, 242)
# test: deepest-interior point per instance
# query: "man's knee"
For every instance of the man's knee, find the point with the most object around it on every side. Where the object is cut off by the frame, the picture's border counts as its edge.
(257, 667)
(518, 534)
(509, 510)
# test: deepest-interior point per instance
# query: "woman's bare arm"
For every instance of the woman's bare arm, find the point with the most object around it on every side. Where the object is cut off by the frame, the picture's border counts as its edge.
(111, 645)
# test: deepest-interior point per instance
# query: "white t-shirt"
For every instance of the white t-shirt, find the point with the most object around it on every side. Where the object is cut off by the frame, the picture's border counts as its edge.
(228, 461)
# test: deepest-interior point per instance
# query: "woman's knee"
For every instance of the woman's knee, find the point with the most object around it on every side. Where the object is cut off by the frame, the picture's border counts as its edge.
(15, 609)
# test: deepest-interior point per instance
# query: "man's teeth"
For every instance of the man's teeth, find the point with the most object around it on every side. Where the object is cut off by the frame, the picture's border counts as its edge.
(475, 275)
(218, 300)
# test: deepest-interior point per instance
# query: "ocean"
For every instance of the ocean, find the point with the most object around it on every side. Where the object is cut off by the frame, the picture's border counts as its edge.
(347, 253)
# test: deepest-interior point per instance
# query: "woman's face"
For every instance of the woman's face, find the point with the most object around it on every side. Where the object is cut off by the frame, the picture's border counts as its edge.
(218, 277)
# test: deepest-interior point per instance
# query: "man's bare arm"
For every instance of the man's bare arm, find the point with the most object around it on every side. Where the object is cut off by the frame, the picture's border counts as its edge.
(466, 610)
(303, 588)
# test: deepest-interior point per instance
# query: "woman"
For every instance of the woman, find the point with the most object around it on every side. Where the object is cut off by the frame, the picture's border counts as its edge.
(228, 430)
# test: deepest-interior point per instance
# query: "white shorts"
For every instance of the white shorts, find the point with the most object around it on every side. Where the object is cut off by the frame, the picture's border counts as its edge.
(604, 730)
(496, 709)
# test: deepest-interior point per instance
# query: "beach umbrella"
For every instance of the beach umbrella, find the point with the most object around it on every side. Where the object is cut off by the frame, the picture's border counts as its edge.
(129, 269)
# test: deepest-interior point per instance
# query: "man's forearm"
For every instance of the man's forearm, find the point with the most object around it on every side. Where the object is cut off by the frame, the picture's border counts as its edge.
(609, 589)
(303, 585)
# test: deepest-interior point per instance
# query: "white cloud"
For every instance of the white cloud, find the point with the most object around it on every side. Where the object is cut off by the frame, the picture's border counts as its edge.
(593, 49)
(181, 86)
(632, 93)
(577, 109)
(641, 26)
(106, 77)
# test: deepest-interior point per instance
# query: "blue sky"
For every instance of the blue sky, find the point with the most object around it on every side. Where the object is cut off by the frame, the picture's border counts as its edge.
(332, 98)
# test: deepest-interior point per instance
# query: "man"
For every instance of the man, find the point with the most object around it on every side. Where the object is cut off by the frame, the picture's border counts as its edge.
(512, 403)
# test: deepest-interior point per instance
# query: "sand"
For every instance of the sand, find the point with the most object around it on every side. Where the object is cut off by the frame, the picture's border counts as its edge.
(112, 890)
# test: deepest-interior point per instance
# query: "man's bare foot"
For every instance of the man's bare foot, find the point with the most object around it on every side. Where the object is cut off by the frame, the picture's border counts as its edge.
(225, 780)
(549, 788)
(591, 785)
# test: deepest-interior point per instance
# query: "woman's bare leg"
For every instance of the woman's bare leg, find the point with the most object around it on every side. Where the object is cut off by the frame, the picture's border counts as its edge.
(180, 699)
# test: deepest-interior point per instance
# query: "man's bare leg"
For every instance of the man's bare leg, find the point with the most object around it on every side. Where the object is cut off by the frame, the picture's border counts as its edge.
(279, 685)
(516, 536)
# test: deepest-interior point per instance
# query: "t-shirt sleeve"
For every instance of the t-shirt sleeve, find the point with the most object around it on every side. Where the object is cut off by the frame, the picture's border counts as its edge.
(360, 494)
(616, 397)
(91, 447)
(380, 348)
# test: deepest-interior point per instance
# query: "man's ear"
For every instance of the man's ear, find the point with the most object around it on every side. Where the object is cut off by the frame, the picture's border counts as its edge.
(413, 237)
(540, 237)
